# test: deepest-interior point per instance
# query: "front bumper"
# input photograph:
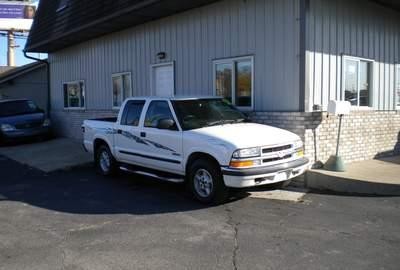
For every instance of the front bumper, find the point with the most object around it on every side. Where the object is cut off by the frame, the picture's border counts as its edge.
(25, 133)
(241, 178)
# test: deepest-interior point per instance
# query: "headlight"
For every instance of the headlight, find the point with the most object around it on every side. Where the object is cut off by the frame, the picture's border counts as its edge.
(7, 127)
(299, 148)
(298, 144)
(247, 153)
(46, 123)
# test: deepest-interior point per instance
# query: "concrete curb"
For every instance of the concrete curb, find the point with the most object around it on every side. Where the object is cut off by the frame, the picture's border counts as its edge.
(318, 180)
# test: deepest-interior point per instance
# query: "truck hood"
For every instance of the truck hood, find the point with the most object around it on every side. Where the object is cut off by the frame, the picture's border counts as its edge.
(245, 135)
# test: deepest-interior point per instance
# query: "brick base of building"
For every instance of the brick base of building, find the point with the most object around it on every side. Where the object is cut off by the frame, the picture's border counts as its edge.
(68, 123)
(365, 134)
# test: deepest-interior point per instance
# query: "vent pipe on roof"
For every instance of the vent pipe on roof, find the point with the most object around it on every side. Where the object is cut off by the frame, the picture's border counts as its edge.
(11, 45)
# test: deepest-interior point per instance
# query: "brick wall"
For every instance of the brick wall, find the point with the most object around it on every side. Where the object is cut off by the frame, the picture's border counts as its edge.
(365, 134)
(68, 123)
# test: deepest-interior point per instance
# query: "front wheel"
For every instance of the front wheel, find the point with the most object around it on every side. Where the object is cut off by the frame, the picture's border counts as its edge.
(105, 163)
(206, 182)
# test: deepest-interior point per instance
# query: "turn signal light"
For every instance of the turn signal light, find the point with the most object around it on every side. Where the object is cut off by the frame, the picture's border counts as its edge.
(300, 153)
(241, 164)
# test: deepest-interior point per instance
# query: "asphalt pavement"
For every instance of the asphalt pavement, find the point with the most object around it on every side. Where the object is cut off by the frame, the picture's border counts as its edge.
(76, 219)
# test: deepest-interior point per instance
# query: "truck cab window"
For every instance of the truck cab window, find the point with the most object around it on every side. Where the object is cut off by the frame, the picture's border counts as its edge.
(157, 110)
(132, 112)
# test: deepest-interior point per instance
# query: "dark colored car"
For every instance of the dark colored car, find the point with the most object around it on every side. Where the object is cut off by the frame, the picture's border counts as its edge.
(22, 119)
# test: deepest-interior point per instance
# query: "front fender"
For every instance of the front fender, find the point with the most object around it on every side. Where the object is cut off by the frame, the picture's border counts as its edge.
(220, 153)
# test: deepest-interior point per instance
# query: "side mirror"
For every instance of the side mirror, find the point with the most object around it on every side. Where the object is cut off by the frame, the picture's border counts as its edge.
(166, 123)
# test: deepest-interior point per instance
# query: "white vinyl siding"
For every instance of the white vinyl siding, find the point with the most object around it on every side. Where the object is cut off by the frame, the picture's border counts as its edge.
(269, 30)
(346, 27)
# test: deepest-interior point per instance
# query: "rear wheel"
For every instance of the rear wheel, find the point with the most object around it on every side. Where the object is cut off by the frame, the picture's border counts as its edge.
(105, 162)
(206, 182)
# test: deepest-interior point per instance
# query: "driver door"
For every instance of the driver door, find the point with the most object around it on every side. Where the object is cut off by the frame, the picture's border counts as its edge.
(163, 149)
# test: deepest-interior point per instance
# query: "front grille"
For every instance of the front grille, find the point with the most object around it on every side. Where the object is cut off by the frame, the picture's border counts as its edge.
(276, 158)
(28, 125)
(276, 149)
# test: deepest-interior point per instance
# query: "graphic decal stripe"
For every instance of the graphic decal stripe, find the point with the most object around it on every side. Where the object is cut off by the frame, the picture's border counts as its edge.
(133, 137)
(137, 139)
(151, 157)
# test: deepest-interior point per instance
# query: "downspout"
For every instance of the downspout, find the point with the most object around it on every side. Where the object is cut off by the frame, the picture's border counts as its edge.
(48, 79)
(304, 4)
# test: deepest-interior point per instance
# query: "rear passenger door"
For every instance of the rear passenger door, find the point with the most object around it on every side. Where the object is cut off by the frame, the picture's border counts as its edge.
(127, 137)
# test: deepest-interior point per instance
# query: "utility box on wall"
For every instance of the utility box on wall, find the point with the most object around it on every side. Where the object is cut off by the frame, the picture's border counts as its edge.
(337, 107)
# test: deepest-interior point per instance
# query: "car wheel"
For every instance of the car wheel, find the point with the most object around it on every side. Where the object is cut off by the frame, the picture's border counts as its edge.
(105, 162)
(206, 182)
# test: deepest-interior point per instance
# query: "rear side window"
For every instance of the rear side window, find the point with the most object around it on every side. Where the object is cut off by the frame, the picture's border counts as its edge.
(132, 112)
(157, 110)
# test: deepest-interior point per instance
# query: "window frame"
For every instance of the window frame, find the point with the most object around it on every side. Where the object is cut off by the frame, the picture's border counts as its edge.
(232, 62)
(126, 111)
(80, 102)
(113, 75)
(371, 74)
(396, 82)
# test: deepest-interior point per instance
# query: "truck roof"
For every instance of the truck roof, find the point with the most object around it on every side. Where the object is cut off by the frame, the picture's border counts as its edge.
(175, 98)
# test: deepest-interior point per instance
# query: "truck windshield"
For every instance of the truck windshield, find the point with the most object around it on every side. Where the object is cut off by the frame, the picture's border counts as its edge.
(17, 107)
(199, 113)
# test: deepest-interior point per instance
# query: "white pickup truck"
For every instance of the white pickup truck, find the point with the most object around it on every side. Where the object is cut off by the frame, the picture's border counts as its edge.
(205, 142)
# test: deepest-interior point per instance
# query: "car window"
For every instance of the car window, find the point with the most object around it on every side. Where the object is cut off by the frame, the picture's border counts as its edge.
(157, 111)
(132, 112)
(18, 107)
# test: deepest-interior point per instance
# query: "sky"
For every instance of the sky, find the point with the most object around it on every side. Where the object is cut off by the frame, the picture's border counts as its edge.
(19, 55)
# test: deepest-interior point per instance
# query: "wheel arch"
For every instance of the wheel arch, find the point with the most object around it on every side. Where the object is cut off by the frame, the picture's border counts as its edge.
(199, 155)
(97, 143)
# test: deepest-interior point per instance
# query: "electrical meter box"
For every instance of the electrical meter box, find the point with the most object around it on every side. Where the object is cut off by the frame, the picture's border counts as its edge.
(337, 107)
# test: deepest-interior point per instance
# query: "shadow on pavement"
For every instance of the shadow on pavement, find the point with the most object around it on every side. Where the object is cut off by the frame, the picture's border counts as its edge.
(81, 191)
(348, 194)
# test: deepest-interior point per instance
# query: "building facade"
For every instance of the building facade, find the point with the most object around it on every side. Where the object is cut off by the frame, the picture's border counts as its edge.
(280, 61)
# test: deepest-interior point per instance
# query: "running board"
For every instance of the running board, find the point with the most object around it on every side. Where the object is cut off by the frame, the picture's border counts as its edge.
(168, 179)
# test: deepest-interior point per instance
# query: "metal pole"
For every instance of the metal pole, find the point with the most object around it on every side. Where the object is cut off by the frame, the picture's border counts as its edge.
(338, 137)
(11, 46)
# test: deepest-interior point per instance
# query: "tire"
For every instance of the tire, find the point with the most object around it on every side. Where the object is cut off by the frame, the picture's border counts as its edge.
(106, 164)
(206, 182)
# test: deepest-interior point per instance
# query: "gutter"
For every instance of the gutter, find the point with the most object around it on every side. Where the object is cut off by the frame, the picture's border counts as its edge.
(48, 80)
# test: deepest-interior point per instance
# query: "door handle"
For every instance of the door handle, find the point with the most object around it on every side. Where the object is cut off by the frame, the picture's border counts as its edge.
(142, 134)
(119, 131)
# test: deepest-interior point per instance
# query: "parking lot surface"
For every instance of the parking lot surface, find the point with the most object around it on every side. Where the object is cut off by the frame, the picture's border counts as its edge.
(76, 219)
